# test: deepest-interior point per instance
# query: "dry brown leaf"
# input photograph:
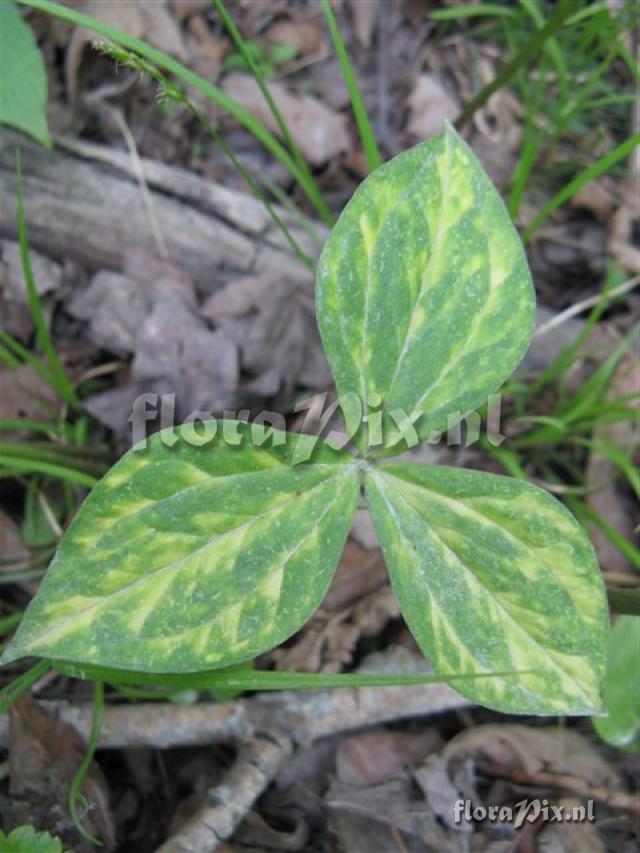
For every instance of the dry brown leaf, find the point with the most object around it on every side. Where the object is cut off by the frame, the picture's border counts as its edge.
(47, 274)
(306, 36)
(599, 197)
(515, 747)
(320, 133)
(210, 49)
(185, 8)
(12, 549)
(365, 15)
(359, 604)
(377, 756)
(570, 836)
(44, 755)
(25, 394)
(384, 817)
(361, 571)
(621, 239)
(271, 319)
(430, 103)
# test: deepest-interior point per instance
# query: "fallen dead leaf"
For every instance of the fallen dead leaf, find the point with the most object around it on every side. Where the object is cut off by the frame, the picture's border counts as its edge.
(12, 549)
(600, 197)
(515, 747)
(365, 16)
(384, 817)
(24, 394)
(47, 274)
(622, 245)
(430, 103)
(359, 604)
(320, 133)
(153, 22)
(439, 791)
(44, 755)
(570, 836)
(374, 757)
(185, 8)
(271, 319)
(306, 36)
(210, 49)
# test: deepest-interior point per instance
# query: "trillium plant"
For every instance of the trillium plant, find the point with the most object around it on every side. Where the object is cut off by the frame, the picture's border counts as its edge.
(192, 556)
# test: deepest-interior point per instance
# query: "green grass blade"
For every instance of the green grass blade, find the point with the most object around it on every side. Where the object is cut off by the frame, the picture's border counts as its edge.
(242, 679)
(20, 685)
(7, 623)
(564, 361)
(551, 46)
(23, 424)
(605, 447)
(564, 10)
(49, 469)
(273, 107)
(626, 548)
(18, 354)
(76, 797)
(481, 10)
(367, 137)
(59, 378)
(594, 171)
(189, 78)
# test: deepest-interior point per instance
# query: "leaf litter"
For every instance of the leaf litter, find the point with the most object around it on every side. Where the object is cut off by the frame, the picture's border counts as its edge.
(252, 337)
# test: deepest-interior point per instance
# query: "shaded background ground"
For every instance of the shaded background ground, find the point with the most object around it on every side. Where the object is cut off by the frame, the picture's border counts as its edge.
(159, 271)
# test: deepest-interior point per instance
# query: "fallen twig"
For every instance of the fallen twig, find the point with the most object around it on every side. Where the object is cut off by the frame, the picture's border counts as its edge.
(614, 799)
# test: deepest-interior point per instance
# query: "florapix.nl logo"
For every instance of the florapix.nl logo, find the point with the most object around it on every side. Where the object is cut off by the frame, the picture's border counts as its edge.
(524, 810)
(395, 429)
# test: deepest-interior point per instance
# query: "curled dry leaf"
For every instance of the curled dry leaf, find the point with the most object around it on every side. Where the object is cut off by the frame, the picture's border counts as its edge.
(320, 133)
(514, 747)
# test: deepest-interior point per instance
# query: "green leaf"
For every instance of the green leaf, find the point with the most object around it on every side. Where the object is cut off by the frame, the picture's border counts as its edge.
(23, 81)
(494, 574)
(423, 292)
(25, 839)
(189, 558)
(621, 692)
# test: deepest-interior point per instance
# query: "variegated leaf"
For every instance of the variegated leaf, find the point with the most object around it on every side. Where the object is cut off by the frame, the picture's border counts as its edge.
(424, 297)
(191, 558)
(494, 575)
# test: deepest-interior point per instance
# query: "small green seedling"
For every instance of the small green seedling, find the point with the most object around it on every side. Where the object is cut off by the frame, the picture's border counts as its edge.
(201, 549)
(26, 839)
(267, 60)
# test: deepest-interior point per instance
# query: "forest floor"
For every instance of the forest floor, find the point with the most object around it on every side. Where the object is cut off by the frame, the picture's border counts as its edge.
(198, 295)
